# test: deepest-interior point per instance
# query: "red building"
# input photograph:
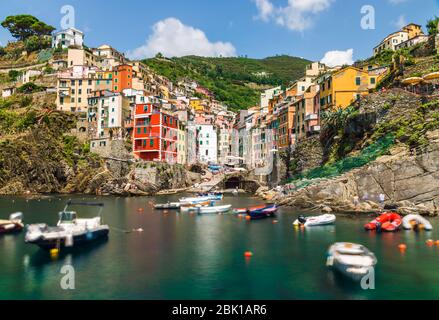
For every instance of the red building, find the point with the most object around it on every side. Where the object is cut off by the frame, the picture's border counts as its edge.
(154, 134)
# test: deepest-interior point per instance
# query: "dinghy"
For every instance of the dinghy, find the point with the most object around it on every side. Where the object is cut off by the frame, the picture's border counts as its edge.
(168, 206)
(416, 222)
(323, 220)
(70, 231)
(207, 209)
(389, 222)
(351, 260)
(14, 224)
(212, 195)
(194, 201)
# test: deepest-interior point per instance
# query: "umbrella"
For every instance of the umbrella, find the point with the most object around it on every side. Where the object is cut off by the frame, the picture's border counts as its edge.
(432, 76)
(412, 81)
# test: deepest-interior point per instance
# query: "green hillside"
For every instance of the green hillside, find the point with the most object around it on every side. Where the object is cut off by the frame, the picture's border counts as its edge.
(235, 81)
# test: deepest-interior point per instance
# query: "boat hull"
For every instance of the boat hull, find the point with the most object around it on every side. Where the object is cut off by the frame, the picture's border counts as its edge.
(11, 228)
(78, 240)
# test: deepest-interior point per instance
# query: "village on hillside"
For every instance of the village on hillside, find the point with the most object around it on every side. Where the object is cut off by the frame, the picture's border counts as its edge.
(123, 102)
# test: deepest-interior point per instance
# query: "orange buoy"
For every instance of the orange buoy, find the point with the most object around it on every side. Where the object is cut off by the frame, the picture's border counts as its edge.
(437, 243)
(275, 221)
(430, 243)
(140, 209)
(248, 218)
(248, 254)
(166, 212)
(402, 247)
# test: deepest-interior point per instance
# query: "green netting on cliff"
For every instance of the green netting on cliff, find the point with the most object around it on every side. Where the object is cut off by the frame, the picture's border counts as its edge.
(367, 155)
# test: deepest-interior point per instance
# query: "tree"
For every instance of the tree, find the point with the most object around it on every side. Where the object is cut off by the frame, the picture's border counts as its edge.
(432, 26)
(23, 26)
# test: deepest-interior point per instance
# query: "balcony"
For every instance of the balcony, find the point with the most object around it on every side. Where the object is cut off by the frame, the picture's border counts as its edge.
(311, 116)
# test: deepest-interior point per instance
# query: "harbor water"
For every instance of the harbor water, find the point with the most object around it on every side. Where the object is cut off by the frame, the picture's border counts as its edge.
(184, 256)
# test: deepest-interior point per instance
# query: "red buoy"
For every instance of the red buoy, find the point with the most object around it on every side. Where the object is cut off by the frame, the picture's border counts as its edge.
(248, 254)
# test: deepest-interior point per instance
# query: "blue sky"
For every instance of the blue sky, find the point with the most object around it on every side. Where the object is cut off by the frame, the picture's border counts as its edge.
(256, 28)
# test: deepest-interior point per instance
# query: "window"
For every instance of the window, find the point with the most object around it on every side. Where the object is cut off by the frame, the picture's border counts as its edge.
(72, 82)
(144, 130)
(80, 82)
(115, 88)
(358, 81)
(61, 100)
(207, 152)
(144, 143)
(112, 121)
(151, 142)
(98, 82)
(115, 80)
(73, 100)
(90, 82)
(79, 91)
(372, 80)
(138, 130)
(79, 100)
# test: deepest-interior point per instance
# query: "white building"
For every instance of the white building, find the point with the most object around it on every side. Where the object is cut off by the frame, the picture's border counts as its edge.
(207, 144)
(108, 112)
(67, 38)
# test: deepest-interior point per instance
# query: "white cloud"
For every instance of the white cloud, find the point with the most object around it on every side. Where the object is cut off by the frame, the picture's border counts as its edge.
(174, 39)
(338, 58)
(297, 15)
(401, 22)
(265, 9)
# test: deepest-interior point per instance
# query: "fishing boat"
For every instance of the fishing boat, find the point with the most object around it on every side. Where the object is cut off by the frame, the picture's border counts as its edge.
(262, 213)
(70, 231)
(207, 209)
(168, 206)
(14, 224)
(416, 222)
(351, 260)
(389, 222)
(323, 220)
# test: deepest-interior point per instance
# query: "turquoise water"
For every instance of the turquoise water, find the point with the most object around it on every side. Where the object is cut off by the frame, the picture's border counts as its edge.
(182, 256)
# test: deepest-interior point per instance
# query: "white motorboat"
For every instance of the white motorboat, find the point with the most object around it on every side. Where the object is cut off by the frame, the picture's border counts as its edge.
(14, 224)
(416, 222)
(323, 220)
(352, 260)
(196, 200)
(69, 232)
(207, 209)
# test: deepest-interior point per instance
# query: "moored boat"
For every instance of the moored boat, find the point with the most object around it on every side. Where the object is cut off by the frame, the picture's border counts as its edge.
(351, 260)
(212, 195)
(323, 220)
(262, 213)
(207, 209)
(389, 222)
(14, 224)
(70, 231)
(416, 222)
(168, 206)
(194, 200)
(245, 210)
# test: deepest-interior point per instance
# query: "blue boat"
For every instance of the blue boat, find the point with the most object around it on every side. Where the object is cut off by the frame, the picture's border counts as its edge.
(267, 212)
(216, 196)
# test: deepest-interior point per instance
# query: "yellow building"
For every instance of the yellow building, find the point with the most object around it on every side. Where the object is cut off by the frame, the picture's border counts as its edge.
(341, 88)
(196, 104)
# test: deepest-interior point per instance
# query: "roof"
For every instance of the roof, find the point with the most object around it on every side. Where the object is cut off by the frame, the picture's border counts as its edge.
(68, 29)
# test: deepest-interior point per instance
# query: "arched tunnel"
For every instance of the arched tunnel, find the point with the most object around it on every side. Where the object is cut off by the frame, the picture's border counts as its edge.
(240, 182)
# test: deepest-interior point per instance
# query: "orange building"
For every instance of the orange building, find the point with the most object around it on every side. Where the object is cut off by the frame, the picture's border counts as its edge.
(286, 131)
(122, 77)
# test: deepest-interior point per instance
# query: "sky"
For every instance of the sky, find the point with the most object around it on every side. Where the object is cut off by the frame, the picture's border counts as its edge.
(332, 31)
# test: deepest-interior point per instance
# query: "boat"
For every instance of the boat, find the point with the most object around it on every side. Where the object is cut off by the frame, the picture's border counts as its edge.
(14, 224)
(168, 206)
(351, 260)
(389, 222)
(212, 195)
(262, 213)
(70, 231)
(416, 222)
(323, 220)
(207, 209)
(245, 210)
(194, 201)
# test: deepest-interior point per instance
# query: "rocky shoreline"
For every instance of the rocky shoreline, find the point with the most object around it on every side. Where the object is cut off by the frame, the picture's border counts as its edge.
(409, 182)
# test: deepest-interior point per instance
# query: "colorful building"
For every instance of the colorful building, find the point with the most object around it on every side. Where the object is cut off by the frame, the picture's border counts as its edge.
(307, 113)
(122, 77)
(155, 134)
(341, 88)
